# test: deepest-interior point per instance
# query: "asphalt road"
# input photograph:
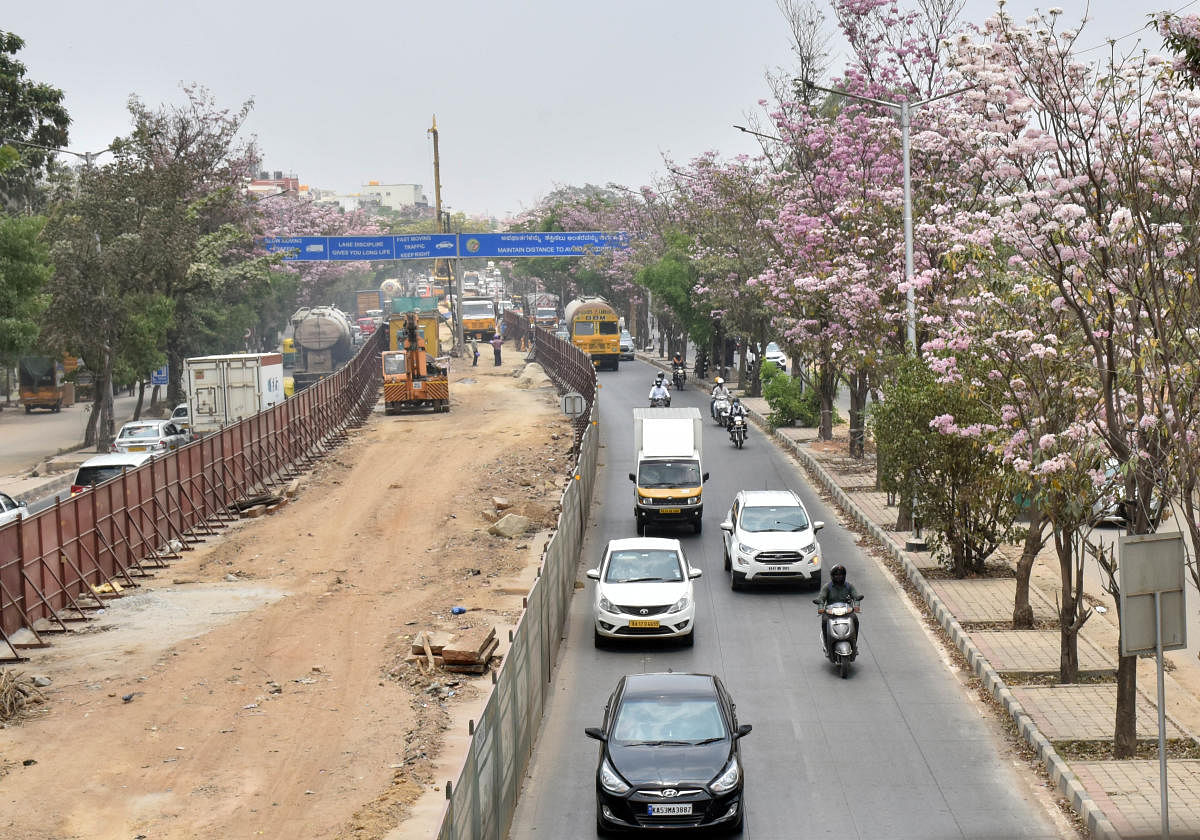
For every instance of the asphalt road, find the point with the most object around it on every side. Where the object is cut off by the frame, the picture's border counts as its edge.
(27, 439)
(897, 750)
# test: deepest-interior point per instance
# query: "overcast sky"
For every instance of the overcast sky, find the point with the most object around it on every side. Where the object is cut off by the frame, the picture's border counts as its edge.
(529, 94)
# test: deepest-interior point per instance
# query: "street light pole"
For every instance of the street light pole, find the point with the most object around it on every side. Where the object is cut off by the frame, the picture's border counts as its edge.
(904, 108)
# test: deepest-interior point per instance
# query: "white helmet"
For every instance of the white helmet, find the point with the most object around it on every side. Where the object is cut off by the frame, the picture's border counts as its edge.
(720, 381)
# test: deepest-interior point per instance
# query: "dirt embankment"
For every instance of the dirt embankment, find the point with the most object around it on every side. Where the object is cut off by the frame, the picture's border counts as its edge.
(259, 687)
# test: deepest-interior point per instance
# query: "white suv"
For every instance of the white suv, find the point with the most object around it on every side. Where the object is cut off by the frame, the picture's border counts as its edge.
(769, 538)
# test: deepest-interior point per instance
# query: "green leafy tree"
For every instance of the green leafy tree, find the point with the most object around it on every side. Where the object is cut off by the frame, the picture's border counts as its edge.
(24, 270)
(930, 437)
(31, 116)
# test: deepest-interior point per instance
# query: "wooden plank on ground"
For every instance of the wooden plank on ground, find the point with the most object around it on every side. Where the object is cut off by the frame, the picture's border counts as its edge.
(470, 646)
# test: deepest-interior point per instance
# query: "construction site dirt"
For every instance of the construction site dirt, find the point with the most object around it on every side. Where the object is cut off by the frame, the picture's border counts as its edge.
(264, 686)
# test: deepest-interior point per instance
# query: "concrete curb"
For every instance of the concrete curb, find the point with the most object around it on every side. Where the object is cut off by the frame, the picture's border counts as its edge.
(1060, 772)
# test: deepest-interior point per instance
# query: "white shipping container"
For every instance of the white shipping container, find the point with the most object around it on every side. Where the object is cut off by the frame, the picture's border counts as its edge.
(224, 389)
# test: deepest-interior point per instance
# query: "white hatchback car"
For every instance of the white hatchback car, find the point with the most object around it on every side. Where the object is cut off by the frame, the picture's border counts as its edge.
(156, 436)
(769, 538)
(644, 589)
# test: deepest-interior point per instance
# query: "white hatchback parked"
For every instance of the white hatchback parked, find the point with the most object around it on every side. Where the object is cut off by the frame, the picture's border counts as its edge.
(644, 589)
(770, 539)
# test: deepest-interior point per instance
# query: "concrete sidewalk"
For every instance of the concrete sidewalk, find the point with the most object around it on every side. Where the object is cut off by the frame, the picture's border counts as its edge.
(1116, 799)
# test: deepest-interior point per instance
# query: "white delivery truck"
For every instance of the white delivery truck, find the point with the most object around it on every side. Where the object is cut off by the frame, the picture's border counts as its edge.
(670, 471)
(224, 389)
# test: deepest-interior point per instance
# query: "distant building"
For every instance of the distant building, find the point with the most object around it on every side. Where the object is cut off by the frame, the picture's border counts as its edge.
(396, 196)
(265, 185)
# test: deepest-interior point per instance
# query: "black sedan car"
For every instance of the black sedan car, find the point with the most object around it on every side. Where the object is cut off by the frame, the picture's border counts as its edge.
(669, 755)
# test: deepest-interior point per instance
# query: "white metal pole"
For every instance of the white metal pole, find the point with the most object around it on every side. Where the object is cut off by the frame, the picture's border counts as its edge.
(1162, 719)
(908, 228)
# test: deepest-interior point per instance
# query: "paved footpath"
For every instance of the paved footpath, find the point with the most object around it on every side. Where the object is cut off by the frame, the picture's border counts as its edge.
(1116, 799)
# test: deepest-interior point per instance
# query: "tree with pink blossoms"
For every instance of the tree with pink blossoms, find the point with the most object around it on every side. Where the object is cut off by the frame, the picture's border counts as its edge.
(1094, 170)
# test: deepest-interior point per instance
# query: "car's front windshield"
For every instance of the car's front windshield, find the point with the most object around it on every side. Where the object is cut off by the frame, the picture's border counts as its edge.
(645, 564)
(656, 720)
(773, 519)
(669, 474)
(477, 309)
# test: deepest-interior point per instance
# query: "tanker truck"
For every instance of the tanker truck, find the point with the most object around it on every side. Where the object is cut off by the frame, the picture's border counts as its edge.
(323, 344)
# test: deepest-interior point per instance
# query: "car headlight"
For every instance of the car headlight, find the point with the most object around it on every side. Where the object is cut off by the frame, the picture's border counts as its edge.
(694, 500)
(645, 500)
(611, 782)
(728, 779)
(749, 551)
(680, 605)
(809, 549)
(606, 605)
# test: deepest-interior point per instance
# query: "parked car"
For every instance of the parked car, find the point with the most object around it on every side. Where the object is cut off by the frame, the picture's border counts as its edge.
(10, 509)
(644, 588)
(670, 755)
(774, 354)
(1115, 509)
(769, 538)
(626, 345)
(97, 470)
(149, 436)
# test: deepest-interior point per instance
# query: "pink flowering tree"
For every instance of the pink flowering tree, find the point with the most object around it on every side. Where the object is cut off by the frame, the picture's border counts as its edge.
(1093, 169)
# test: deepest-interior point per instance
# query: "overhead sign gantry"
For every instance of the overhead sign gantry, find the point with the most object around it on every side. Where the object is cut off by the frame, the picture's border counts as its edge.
(427, 246)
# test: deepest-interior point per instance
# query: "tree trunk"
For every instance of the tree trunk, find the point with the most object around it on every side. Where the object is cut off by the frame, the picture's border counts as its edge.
(137, 409)
(89, 433)
(858, 415)
(105, 431)
(1125, 729)
(827, 388)
(1068, 654)
(904, 514)
(1034, 540)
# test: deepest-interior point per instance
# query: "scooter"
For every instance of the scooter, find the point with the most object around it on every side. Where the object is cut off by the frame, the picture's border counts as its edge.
(678, 376)
(660, 402)
(720, 411)
(737, 430)
(839, 633)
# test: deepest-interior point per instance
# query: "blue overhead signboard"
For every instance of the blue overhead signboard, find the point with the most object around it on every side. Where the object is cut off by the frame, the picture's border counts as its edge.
(425, 246)
(537, 244)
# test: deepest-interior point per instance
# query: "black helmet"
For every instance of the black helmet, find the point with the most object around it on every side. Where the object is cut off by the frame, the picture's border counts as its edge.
(838, 573)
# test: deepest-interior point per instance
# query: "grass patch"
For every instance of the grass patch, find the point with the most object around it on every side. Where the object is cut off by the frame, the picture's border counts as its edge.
(1147, 749)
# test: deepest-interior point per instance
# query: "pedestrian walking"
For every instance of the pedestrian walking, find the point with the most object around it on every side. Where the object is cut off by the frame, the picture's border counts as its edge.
(474, 352)
(497, 343)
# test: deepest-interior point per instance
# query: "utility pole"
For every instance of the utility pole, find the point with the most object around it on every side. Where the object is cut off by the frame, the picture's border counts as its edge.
(444, 227)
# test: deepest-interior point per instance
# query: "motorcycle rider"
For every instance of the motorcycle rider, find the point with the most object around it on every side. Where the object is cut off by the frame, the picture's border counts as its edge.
(837, 591)
(719, 392)
(736, 409)
(658, 390)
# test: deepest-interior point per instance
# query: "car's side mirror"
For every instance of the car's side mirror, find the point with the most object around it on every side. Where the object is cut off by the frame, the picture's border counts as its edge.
(593, 574)
(817, 601)
(22, 504)
(632, 477)
(859, 598)
(818, 525)
(743, 730)
(727, 525)
(706, 476)
(694, 573)
(595, 732)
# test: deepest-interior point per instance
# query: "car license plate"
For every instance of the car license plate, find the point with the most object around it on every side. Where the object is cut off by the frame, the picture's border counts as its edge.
(643, 622)
(678, 809)
(137, 449)
(669, 510)
(779, 568)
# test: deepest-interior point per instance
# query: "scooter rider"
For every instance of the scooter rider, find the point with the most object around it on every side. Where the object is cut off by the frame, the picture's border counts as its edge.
(837, 591)
(659, 390)
(719, 391)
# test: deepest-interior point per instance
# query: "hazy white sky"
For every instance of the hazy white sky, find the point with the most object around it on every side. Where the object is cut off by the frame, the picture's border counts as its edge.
(529, 94)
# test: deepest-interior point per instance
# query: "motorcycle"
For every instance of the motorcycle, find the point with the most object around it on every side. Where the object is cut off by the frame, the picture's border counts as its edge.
(660, 402)
(678, 376)
(720, 411)
(839, 633)
(737, 430)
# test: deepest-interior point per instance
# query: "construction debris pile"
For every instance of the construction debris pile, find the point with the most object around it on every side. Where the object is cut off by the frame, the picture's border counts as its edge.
(468, 653)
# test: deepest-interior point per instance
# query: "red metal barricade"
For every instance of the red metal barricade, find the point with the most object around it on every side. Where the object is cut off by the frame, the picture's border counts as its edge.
(61, 562)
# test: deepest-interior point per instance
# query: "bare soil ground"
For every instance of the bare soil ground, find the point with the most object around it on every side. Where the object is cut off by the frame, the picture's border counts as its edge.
(280, 702)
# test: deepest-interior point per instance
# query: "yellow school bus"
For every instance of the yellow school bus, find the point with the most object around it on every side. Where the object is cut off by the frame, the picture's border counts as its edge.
(593, 325)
